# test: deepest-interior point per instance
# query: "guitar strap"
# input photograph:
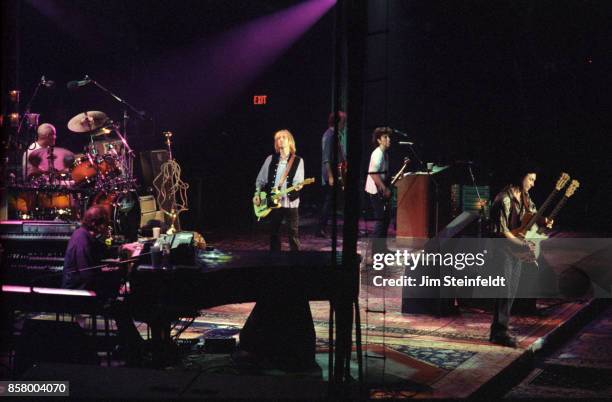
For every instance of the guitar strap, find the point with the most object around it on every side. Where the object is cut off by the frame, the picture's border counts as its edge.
(286, 172)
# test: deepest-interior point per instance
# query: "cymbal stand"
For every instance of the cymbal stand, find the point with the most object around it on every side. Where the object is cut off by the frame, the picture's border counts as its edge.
(129, 162)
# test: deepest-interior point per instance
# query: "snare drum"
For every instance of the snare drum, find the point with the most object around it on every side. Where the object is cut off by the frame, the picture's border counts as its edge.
(83, 170)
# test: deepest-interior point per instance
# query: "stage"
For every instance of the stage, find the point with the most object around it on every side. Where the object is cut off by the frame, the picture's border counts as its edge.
(146, 147)
(405, 355)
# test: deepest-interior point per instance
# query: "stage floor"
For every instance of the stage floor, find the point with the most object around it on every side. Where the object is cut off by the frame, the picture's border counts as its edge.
(424, 356)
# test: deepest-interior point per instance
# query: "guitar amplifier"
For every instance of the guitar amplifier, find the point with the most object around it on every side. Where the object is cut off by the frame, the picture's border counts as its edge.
(147, 204)
(154, 215)
(148, 210)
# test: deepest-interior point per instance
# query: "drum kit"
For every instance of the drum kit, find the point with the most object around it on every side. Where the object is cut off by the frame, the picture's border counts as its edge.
(60, 185)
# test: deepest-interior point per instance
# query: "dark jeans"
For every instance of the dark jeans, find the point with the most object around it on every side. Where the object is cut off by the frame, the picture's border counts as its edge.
(511, 270)
(126, 329)
(382, 214)
(326, 210)
(276, 219)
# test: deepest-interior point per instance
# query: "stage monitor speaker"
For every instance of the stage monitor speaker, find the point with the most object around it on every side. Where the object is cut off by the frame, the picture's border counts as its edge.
(280, 329)
(427, 300)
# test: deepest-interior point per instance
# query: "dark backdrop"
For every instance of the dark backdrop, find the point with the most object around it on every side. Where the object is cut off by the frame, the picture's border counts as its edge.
(491, 82)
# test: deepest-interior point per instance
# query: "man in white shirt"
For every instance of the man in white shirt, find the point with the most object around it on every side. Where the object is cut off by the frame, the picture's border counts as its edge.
(377, 187)
(46, 136)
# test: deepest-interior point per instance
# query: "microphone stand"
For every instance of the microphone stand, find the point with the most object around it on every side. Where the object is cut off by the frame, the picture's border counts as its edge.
(28, 106)
(436, 188)
(401, 171)
(481, 211)
(26, 112)
(126, 117)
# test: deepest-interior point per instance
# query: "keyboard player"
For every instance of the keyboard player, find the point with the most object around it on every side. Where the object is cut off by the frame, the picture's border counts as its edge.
(83, 270)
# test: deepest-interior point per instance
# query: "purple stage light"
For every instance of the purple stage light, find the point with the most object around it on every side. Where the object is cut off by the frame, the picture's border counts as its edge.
(201, 80)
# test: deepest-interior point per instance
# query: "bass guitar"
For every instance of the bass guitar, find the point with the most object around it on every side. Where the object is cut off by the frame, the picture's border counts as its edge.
(267, 202)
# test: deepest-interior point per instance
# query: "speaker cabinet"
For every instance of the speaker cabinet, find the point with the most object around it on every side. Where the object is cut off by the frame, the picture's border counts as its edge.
(430, 300)
(150, 162)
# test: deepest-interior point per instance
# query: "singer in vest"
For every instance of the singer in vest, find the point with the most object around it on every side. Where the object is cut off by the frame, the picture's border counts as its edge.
(281, 170)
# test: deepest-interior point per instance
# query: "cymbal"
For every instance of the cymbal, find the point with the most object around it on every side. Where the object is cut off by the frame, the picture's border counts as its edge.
(87, 121)
(39, 159)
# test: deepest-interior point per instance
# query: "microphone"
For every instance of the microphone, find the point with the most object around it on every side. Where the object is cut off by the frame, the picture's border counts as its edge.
(398, 132)
(77, 84)
(406, 143)
(46, 83)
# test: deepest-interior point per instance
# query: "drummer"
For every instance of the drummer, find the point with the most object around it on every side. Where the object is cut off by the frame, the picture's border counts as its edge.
(46, 135)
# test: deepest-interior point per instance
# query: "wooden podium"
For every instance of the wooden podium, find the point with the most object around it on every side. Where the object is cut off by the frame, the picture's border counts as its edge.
(418, 213)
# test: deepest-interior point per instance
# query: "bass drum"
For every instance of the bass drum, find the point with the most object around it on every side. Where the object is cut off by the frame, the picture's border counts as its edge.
(124, 211)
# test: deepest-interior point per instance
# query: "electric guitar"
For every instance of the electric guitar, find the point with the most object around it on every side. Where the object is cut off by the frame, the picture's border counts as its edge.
(267, 202)
(530, 219)
(528, 229)
(571, 189)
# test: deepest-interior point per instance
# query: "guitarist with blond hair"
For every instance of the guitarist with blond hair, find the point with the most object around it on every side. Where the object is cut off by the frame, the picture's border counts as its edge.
(280, 170)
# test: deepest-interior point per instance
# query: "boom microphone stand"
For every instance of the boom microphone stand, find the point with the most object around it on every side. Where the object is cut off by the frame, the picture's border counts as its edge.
(126, 106)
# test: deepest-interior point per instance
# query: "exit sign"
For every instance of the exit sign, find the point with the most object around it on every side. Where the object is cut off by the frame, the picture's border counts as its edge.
(260, 99)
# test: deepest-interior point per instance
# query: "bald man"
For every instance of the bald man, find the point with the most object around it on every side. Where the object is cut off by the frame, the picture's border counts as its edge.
(46, 135)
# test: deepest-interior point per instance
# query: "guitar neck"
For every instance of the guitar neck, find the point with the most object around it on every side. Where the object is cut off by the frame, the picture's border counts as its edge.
(558, 207)
(286, 191)
(292, 188)
(538, 214)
